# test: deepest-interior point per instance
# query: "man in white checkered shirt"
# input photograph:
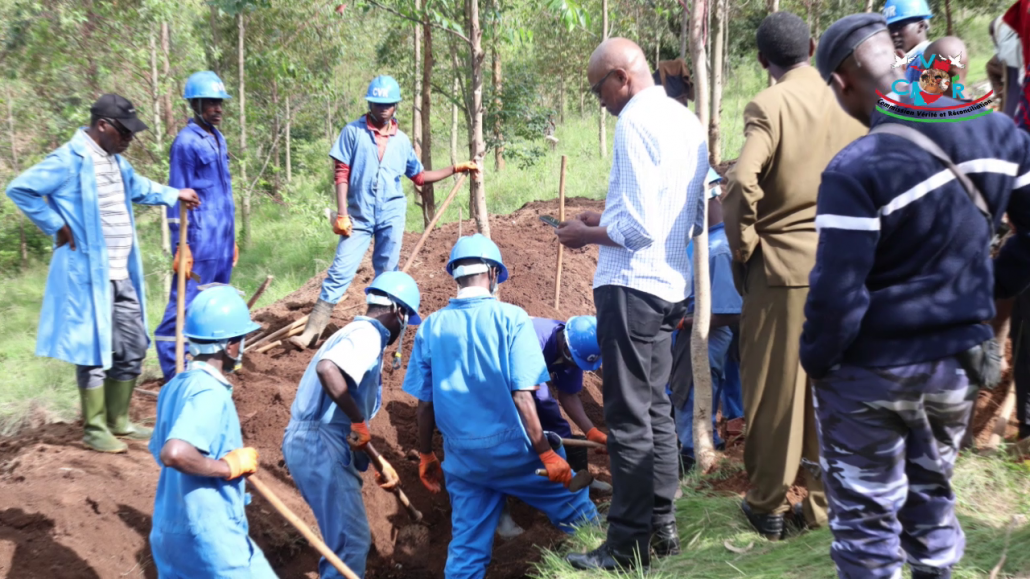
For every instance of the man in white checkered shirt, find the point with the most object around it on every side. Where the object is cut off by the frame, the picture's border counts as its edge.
(642, 280)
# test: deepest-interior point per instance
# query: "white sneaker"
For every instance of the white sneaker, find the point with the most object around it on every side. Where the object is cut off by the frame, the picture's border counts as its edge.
(600, 487)
(507, 528)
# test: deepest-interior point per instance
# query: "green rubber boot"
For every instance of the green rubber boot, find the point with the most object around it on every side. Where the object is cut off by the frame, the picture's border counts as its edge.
(119, 395)
(94, 421)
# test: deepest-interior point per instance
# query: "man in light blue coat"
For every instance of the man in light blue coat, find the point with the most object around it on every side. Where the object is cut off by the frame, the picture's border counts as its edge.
(94, 312)
(341, 391)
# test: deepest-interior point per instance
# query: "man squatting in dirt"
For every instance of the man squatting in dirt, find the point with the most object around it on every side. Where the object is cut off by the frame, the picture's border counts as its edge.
(474, 367)
(894, 338)
(94, 305)
(370, 156)
(340, 392)
(200, 525)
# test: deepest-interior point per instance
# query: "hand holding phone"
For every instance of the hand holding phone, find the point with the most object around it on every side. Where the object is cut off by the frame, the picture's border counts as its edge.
(550, 220)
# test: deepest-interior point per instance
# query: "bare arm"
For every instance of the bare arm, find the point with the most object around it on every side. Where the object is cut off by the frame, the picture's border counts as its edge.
(185, 458)
(341, 198)
(426, 426)
(335, 385)
(437, 175)
(527, 412)
(573, 406)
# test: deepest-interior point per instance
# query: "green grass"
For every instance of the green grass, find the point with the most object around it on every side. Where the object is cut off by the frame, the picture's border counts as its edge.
(990, 492)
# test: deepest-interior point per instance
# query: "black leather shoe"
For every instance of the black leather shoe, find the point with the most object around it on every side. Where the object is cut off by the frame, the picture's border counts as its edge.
(686, 464)
(665, 540)
(795, 522)
(606, 558)
(768, 526)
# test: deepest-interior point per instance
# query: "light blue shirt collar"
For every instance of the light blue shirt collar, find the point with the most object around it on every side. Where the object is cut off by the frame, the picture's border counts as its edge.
(211, 370)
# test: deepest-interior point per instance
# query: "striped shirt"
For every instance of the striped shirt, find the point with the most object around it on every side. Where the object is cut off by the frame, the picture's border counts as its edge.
(903, 271)
(654, 192)
(114, 211)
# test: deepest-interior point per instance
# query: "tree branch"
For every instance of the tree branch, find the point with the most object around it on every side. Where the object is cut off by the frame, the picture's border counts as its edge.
(416, 21)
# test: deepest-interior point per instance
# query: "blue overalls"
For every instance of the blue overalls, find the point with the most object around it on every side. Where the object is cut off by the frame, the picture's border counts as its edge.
(566, 378)
(199, 161)
(200, 526)
(315, 446)
(468, 359)
(375, 203)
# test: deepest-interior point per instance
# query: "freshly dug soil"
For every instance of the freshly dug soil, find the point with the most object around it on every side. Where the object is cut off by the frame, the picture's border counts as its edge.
(69, 512)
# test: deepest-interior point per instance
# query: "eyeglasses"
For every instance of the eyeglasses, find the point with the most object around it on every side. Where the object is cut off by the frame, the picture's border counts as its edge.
(596, 89)
(122, 131)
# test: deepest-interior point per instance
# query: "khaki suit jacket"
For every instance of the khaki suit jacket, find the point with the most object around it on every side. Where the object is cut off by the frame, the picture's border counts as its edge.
(792, 131)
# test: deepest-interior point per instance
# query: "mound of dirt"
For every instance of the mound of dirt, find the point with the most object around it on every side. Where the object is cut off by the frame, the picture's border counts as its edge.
(68, 512)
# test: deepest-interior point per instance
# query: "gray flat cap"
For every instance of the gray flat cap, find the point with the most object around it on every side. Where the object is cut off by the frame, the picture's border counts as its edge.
(841, 39)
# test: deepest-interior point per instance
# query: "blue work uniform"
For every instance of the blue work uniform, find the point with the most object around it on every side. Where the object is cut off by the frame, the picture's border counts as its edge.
(315, 446)
(199, 161)
(725, 301)
(200, 526)
(468, 359)
(567, 379)
(75, 324)
(375, 203)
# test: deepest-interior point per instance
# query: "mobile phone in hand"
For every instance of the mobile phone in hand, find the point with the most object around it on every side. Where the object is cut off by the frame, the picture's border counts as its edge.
(550, 220)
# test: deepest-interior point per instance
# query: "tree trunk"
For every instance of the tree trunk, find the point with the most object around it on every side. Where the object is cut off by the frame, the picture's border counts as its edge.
(561, 95)
(275, 132)
(498, 105)
(171, 127)
(454, 123)
(714, 136)
(868, 5)
(416, 102)
(23, 245)
(213, 20)
(947, 15)
(703, 449)
(155, 93)
(289, 157)
(602, 133)
(428, 193)
(818, 13)
(247, 234)
(478, 146)
(699, 58)
(684, 34)
(774, 6)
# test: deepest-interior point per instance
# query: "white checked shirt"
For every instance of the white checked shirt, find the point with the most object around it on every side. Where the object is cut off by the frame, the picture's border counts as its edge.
(114, 212)
(654, 193)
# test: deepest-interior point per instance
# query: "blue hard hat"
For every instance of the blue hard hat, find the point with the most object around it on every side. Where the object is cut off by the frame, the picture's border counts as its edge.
(401, 288)
(581, 337)
(895, 10)
(477, 246)
(205, 85)
(713, 177)
(217, 314)
(383, 90)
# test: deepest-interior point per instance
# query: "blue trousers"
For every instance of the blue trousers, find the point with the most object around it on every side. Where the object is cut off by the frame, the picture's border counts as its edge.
(320, 464)
(388, 232)
(889, 438)
(477, 502)
(685, 420)
(226, 552)
(211, 272)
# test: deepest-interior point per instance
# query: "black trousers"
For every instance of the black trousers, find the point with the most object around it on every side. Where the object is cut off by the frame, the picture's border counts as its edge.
(634, 329)
(1020, 334)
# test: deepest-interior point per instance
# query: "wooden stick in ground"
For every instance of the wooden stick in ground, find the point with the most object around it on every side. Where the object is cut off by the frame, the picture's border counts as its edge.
(299, 323)
(561, 217)
(180, 298)
(432, 224)
(377, 462)
(581, 443)
(260, 290)
(1002, 420)
(298, 524)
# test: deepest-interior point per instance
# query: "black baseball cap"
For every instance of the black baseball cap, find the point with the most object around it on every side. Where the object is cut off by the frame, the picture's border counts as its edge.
(843, 37)
(119, 108)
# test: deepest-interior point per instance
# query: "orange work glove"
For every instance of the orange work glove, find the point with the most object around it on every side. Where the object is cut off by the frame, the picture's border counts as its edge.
(430, 472)
(242, 461)
(686, 323)
(558, 470)
(360, 436)
(343, 226)
(595, 435)
(388, 478)
(187, 255)
(466, 167)
(235, 254)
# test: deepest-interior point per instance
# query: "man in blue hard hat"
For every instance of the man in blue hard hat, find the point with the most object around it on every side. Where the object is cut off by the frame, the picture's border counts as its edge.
(370, 156)
(200, 160)
(94, 306)
(474, 367)
(909, 24)
(725, 309)
(200, 525)
(340, 393)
